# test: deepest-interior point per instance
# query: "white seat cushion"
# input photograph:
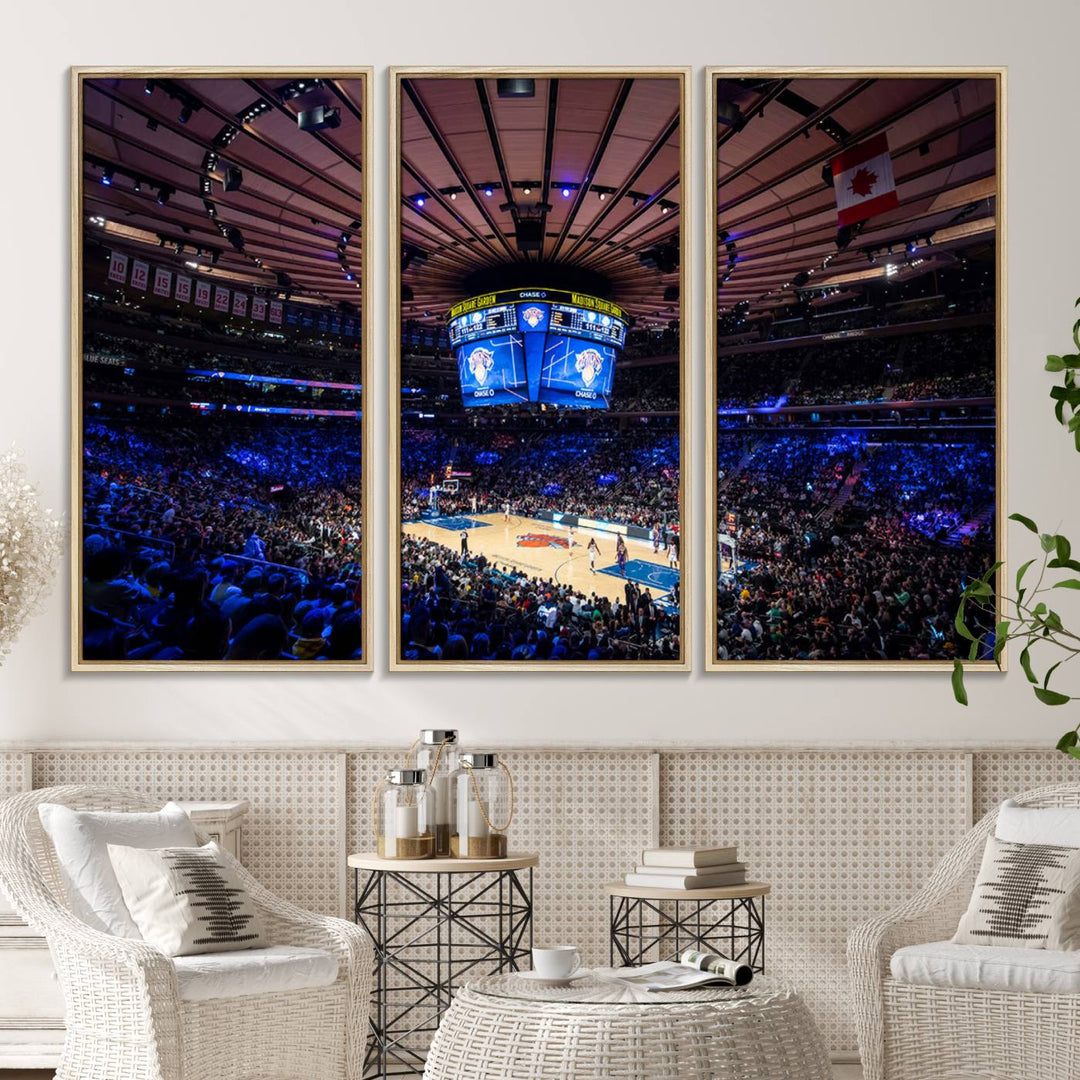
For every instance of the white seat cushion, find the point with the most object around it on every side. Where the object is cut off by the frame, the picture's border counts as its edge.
(988, 967)
(1056, 825)
(253, 971)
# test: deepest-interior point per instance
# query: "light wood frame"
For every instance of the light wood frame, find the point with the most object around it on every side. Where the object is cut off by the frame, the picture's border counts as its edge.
(712, 76)
(686, 184)
(364, 75)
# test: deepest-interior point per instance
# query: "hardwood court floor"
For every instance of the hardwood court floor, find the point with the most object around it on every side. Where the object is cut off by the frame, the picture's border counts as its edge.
(540, 548)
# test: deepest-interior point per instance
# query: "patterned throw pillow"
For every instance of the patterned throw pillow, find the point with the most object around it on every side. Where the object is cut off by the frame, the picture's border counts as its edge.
(187, 900)
(1026, 895)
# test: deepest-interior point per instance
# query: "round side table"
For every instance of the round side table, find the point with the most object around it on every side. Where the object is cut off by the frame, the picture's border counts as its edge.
(431, 922)
(729, 920)
(593, 1029)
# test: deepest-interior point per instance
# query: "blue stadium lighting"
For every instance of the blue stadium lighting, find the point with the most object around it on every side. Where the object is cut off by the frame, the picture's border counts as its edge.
(420, 200)
(488, 192)
(106, 177)
(566, 193)
(348, 277)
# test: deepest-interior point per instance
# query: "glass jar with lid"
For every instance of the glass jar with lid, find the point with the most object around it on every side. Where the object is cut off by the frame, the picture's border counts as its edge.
(405, 811)
(437, 754)
(485, 807)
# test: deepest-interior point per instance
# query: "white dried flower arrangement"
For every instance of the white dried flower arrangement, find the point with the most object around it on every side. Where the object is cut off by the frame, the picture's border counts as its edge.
(31, 544)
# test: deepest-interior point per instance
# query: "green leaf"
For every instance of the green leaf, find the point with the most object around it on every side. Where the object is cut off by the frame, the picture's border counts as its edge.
(959, 692)
(1048, 541)
(1025, 521)
(1074, 751)
(1051, 697)
(1064, 548)
(1022, 571)
(1070, 738)
(1062, 564)
(961, 626)
(1050, 671)
(1055, 363)
(1025, 663)
(1068, 583)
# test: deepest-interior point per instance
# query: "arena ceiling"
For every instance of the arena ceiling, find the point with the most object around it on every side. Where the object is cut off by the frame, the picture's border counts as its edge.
(777, 218)
(587, 170)
(154, 165)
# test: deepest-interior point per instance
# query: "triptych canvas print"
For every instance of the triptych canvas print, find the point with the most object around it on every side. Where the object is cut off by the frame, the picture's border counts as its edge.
(539, 369)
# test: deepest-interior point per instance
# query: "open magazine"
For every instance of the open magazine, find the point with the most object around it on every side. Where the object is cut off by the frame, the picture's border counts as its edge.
(693, 969)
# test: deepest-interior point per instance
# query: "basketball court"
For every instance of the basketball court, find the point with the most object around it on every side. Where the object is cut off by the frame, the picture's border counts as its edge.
(542, 548)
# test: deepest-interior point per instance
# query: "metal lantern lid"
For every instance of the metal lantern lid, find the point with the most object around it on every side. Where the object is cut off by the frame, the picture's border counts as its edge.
(480, 761)
(437, 736)
(407, 776)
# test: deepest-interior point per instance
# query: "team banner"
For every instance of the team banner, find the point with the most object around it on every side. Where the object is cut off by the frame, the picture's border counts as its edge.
(183, 288)
(863, 181)
(221, 298)
(202, 294)
(239, 304)
(162, 282)
(258, 308)
(140, 275)
(275, 312)
(118, 264)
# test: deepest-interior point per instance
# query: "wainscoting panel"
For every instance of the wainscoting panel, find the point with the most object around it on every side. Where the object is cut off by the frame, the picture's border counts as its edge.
(841, 836)
(999, 775)
(291, 839)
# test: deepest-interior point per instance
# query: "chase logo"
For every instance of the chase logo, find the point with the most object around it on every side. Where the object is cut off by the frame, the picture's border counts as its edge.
(480, 363)
(590, 363)
(541, 540)
(533, 316)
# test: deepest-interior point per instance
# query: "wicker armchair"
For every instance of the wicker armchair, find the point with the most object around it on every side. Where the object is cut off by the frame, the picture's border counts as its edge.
(124, 1016)
(911, 1032)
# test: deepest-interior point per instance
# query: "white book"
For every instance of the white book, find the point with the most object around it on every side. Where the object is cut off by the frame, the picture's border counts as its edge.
(681, 881)
(691, 871)
(693, 856)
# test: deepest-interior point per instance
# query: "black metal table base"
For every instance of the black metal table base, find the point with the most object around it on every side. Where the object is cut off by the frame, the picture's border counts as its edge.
(426, 942)
(644, 931)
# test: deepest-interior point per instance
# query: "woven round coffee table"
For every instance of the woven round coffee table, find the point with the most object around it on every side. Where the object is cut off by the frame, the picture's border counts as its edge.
(511, 1028)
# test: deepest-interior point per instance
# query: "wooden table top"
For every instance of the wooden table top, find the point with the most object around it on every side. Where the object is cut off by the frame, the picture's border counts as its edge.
(720, 892)
(516, 860)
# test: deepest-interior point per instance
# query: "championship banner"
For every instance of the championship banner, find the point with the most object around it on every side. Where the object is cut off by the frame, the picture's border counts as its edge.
(140, 275)
(350, 327)
(275, 312)
(162, 282)
(335, 324)
(118, 264)
(863, 181)
(258, 308)
(322, 322)
(202, 293)
(221, 298)
(183, 288)
(239, 304)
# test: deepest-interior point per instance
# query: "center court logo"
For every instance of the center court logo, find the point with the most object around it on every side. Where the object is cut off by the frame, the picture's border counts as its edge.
(541, 540)
(590, 363)
(480, 363)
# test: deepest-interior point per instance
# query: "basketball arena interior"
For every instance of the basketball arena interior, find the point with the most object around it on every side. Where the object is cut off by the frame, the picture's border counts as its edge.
(222, 370)
(856, 425)
(540, 369)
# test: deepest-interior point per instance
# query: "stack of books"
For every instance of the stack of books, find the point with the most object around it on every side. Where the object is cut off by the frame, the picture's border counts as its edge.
(688, 868)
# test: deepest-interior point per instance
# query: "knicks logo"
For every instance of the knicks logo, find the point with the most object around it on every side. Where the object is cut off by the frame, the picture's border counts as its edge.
(590, 363)
(480, 363)
(539, 540)
(533, 316)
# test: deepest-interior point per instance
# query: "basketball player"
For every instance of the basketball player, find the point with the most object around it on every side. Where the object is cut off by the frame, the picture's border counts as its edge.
(620, 555)
(594, 550)
(474, 502)
(571, 542)
(506, 511)
(673, 553)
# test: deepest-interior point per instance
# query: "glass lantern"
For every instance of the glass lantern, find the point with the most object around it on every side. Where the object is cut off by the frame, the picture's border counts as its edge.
(485, 807)
(437, 754)
(405, 816)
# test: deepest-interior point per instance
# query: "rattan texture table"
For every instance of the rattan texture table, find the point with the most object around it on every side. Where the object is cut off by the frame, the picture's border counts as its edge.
(502, 1027)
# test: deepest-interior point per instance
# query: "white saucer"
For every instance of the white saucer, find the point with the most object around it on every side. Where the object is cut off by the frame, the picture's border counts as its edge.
(536, 977)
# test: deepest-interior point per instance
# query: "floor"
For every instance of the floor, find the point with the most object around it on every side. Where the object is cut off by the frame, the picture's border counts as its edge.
(840, 1072)
(542, 547)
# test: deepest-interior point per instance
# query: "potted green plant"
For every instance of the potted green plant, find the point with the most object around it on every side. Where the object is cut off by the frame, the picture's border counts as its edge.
(1026, 617)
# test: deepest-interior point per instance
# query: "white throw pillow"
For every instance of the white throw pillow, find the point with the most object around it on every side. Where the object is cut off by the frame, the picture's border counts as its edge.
(187, 900)
(1057, 825)
(81, 838)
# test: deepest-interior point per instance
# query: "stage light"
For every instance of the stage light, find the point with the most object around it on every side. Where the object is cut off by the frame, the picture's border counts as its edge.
(488, 192)
(191, 265)
(148, 86)
(106, 177)
(526, 191)
(664, 209)
(603, 195)
(164, 194)
(233, 178)
(151, 124)
(317, 118)
(453, 196)
(137, 185)
(419, 200)
(566, 193)
(912, 247)
(344, 238)
(515, 88)
(185, 114)
(348, 277)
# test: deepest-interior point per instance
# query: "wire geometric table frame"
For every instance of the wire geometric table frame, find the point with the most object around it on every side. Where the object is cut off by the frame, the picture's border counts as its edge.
(733, 926)
(427, 939)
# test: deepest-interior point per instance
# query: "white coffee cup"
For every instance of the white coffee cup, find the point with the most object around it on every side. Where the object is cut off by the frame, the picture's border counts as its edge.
(556, 961)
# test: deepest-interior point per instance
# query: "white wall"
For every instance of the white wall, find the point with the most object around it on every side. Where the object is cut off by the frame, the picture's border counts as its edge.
(40, 700)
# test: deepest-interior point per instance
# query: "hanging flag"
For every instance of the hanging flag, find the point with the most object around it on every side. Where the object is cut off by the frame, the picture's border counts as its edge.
(221, 298)
(183, 288)
(162, 281)
(140, 275)
(239, 304)
(258, 308)
(118, 267)
(863, 180)
(202, 293)
(275, 312)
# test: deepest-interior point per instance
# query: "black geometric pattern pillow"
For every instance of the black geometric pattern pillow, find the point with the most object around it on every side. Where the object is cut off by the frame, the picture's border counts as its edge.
(1026, 895)
(187, 900)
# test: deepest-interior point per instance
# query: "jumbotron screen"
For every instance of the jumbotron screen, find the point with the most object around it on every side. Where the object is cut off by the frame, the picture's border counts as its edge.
(541, 345)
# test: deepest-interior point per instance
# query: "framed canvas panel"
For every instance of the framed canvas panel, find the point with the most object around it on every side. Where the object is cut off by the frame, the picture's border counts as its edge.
(221, 344)
(855, 367)
(539, 369)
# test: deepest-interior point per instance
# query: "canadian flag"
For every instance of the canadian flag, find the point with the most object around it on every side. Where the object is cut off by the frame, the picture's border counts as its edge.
(863, 180)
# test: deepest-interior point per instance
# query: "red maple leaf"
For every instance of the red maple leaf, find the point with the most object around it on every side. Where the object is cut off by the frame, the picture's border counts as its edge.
(862, 183)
